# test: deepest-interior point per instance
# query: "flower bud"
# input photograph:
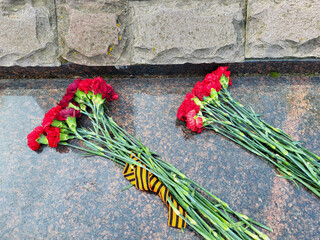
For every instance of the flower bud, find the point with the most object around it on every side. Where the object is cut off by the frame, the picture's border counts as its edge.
(59, 124)
(64, 137)
(214, 94)
(72, 123)
(81, 95)
(97, 99)
(197, 101)
(71, 105)
(224, 81)
(43, 139)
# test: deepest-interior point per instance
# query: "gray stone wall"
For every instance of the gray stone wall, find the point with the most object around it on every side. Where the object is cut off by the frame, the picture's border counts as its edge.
(28, 33)
(127, 32)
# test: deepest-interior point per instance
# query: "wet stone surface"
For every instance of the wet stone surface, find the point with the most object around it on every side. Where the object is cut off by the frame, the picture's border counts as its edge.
(58, 194)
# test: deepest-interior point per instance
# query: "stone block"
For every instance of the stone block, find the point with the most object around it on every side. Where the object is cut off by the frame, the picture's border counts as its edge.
(93, 32)
(283, 29)
(28, 34)
(176, 32)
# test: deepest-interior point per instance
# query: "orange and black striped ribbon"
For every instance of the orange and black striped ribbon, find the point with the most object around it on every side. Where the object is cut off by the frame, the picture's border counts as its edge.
(146, 181)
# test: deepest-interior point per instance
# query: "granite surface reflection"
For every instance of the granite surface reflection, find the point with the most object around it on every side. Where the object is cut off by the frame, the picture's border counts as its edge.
(58, 194)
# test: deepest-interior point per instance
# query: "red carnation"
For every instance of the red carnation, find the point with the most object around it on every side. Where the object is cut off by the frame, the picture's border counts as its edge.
(73, 87)
(222, 70)
(215, 85)
(71, 90)
(69, 112)
(100, 86)
(85, 86)
(199, 90)
(49, 116)
(210, 77)
(202, 89)
(194, 122)
(66, 100)
(212, 80)
(186, 106)
(111, 95)
(219, 71)
(33, 136)
(53, 136)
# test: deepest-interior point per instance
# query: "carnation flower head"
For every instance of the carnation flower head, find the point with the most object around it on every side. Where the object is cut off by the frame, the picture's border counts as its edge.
(213, 85)
(211, 77)
(71, 90)
(211, 80)
(223, 71)
(85, 85)
(199, 90)
(69, 112)
(111, 95)
(66, 100)
(220, 70)
(73, 87)
(49, 116)
(204, 88)
(187, 105)
(194, 122)
(100, 86)
(33, 137)
(53, 136)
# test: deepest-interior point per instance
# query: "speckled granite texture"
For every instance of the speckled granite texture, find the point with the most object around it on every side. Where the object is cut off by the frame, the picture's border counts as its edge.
(57, 194)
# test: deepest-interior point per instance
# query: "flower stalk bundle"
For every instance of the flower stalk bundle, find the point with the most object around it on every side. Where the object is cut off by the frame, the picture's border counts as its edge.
(188, 203)
(211, 106)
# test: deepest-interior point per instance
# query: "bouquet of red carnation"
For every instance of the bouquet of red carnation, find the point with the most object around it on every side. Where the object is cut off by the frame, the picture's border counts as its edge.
(59, 123)
(188, 202)
(210, 106)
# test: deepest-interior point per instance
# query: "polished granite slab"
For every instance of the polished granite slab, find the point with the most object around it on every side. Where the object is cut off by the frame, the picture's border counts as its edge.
(58, 194)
